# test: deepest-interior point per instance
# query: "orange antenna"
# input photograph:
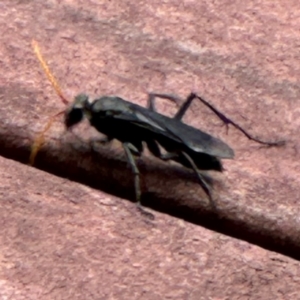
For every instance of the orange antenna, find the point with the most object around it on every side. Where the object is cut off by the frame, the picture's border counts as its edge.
(40, 139)
(47, 71)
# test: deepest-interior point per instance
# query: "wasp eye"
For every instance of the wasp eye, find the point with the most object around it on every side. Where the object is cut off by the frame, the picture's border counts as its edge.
(73, 116)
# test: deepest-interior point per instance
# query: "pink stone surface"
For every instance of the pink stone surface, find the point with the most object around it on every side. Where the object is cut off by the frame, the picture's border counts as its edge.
(64, 240)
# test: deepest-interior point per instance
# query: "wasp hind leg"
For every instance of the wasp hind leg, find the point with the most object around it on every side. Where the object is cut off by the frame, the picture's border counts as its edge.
(228, 121)
(183, 108)
(205, 186)
(154, 149)
(152, 96)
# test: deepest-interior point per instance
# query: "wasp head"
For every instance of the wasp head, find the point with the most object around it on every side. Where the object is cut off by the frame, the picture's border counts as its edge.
(77, 110)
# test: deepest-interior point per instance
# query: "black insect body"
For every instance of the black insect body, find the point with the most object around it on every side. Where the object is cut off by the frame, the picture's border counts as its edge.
(132, 125)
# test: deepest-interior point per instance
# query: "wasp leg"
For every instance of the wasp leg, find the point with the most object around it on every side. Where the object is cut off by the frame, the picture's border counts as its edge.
(183, 108)
(130, 150)
(101, 141)
(154, 149)
(152, 96)
(228, 121)
(201, 179)
(104, 140)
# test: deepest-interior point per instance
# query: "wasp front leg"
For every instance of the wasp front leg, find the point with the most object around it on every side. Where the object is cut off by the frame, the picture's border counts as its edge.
(99, 141)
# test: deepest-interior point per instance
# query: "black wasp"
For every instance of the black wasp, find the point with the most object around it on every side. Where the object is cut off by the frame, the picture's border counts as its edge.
(134, 125)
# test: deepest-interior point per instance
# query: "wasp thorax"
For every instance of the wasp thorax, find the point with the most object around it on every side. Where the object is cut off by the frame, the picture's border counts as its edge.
(110, 105)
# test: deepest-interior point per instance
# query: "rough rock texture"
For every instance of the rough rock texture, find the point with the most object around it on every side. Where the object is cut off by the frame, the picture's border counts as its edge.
(64, 240)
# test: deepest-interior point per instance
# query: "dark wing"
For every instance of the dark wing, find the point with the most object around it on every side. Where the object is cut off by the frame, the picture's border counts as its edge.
(193, 138)
(145, 119)
(198, 140)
